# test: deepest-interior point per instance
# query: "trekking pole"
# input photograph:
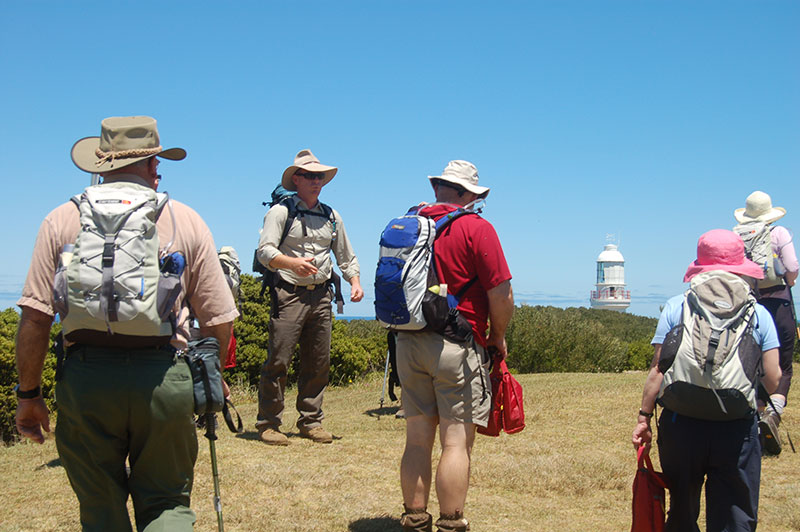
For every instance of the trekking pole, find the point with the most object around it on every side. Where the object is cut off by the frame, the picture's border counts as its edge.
(385, 375)
(211, 434)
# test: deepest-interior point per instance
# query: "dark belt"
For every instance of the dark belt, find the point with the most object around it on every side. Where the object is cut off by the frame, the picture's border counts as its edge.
(168, 349)
(296, 288)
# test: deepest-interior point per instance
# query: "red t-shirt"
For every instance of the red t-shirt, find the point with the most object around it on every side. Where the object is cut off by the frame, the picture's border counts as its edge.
(468, 248)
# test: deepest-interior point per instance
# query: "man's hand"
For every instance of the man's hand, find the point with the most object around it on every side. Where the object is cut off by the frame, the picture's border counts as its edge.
(356, 292)
(303, 266)
(642, 434)
(499, 345)
(32, 417)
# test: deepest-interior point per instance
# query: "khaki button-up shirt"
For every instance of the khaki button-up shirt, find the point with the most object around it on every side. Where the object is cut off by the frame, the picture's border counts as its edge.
(309, 236)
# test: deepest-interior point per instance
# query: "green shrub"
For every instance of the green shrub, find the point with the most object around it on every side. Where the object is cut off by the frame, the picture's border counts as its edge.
(547, 339)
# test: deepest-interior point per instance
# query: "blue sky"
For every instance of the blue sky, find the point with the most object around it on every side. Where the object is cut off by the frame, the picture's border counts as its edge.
(649, 120)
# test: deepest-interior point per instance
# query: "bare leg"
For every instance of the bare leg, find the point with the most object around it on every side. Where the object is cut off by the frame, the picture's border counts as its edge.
(415, 467)
(452, 475)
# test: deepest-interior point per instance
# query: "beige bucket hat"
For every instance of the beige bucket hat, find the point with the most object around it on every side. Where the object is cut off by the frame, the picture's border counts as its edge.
(123, 141)
(305, 160)
(462, 173)
(758, 208)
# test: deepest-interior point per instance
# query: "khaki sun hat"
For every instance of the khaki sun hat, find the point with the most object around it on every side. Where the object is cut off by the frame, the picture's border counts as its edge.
(305, 160)
(123, 141)
(758, 208)
(464, 174)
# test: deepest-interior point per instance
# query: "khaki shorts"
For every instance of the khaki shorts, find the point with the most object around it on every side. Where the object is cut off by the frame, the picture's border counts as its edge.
(443, 378)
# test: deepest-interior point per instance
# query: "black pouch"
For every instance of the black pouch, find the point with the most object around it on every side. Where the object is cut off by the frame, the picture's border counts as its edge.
(441, 310)
(203, 359)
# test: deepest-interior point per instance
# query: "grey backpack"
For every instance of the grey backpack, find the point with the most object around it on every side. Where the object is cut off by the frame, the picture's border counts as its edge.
(109, 289)
(757, 238)
(229, 260)
(711, 361)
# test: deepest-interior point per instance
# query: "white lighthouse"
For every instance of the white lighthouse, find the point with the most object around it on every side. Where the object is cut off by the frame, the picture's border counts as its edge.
(610, 292)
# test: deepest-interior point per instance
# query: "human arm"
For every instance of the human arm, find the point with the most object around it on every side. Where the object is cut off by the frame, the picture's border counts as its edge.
(642, 433)
(791, 278)
(33, 340)
(269, 254)
(772, 370)
(501, 308)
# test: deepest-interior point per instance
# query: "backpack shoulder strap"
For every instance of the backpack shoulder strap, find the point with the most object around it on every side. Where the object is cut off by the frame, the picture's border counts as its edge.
(291, 207)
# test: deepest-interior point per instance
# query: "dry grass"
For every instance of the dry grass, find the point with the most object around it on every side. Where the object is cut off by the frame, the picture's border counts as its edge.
(570, 469)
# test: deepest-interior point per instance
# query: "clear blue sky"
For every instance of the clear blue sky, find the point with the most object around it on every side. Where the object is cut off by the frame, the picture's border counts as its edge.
(649, 120)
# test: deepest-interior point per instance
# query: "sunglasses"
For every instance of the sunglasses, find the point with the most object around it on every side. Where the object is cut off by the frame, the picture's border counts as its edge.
(319, 176)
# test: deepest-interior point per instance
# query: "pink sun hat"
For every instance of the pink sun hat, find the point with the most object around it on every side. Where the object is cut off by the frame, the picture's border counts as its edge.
(720, 249)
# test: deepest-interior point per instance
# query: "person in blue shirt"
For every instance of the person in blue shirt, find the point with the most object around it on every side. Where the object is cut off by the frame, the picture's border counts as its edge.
(723, 454)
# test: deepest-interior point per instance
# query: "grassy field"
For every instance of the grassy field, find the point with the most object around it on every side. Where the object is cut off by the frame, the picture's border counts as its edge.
(570, 470)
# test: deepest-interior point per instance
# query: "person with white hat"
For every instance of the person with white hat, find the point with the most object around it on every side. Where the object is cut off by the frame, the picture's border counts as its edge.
(445, 382)
(300, 304)
(122, 396)
(708, 428)
(780, 264)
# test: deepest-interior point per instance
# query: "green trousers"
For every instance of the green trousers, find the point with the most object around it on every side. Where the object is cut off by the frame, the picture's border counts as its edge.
(118, 404)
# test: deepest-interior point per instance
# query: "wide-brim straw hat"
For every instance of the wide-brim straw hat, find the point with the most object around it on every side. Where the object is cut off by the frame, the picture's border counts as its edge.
(720, 249)
(305, 160)
(758, 208)
(123, 141)
(463, 174)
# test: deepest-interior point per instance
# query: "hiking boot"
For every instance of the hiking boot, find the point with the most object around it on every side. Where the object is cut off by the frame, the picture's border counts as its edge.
(452, 523)
(272, 436)
(316, 434)
(416, 520)
(768, 432)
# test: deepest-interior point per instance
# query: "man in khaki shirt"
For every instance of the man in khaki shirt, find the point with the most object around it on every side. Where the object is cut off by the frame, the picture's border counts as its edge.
(118, 404)
(301, 302)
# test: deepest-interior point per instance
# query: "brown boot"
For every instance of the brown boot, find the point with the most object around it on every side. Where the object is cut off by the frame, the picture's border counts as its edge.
(452, 523)
(317, 434)
(272, 436)
(416, 520)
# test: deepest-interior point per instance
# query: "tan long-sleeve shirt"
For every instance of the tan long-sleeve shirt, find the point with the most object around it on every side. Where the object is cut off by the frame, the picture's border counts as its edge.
(309, 236)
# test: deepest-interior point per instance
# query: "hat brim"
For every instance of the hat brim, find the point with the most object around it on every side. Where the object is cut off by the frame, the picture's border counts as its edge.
(288, 184)
(85, 158)
(482, 192)
(748, 268)
(774, 214)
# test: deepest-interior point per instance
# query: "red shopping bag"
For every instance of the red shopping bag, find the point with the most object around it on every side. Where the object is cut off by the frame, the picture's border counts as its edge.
(648, 496)
(495, 424)
(513, 409)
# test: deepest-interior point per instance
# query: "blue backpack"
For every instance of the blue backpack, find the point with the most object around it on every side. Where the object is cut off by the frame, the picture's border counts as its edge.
(408, 292)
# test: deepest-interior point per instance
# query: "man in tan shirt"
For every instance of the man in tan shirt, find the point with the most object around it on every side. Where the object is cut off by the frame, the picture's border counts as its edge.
(123, 403)
(301, 302)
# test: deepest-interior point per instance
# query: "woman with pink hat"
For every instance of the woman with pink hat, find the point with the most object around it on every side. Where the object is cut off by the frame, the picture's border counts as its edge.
(709, 345)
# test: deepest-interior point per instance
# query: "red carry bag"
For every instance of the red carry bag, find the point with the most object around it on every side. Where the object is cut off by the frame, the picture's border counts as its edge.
(513, 409)
(507, 412)
(495, 424)
(649, 500)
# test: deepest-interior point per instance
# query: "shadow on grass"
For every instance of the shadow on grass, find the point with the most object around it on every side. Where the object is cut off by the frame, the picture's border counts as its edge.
(385, 411)
(55, 462)
(252, 435)
(375, 524)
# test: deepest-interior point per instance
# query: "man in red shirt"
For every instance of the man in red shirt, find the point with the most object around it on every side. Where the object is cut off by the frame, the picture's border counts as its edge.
(446, 384)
